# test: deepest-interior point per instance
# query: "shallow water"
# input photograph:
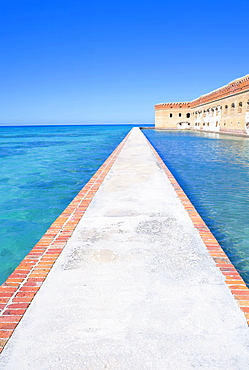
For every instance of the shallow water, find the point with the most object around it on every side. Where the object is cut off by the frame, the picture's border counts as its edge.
(213, 170)
(41, 171)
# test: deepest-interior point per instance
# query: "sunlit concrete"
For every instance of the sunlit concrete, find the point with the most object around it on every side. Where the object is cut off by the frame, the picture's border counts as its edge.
(134, 288)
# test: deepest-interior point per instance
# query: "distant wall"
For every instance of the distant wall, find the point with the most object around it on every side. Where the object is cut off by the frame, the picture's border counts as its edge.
(173, 115)
(225, 109)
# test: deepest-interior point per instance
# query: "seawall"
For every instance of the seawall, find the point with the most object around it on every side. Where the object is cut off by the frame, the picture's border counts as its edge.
(128, 277)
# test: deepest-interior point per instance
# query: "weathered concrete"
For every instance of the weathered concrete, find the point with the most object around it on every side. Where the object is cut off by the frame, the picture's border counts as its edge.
(134, 288)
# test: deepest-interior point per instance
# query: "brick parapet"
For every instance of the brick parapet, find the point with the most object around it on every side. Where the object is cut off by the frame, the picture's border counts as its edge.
(234, 87)
(183, 105)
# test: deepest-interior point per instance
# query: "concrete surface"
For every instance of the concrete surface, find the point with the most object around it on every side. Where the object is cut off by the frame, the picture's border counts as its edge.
(134, 288)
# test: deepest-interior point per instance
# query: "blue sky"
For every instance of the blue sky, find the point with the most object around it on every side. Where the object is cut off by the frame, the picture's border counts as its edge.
(73, 62)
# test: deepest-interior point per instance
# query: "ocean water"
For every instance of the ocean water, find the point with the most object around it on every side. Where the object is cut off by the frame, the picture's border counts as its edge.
(213, 170)
(41, 171)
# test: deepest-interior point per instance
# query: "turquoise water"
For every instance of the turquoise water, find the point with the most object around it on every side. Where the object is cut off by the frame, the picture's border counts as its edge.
(213, 170)
(41, 171)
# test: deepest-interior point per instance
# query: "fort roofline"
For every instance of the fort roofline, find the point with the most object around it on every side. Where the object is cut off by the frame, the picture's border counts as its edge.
(173, 105)
(234, 87)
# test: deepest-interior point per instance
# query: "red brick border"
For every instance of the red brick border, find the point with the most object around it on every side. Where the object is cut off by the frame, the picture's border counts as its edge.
(18, 291)
(233, 279)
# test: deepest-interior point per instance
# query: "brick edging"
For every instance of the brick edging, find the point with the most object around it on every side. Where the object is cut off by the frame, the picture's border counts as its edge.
(18, 291)
(233, 279)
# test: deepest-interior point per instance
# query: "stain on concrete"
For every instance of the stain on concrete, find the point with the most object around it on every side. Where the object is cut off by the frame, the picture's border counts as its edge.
(121, 213)
(104, 256)
(154, 227)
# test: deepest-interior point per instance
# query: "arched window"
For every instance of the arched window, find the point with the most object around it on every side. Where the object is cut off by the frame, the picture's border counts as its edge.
(240, 107)
(247, 106)
(171, 115)
(188, 115)
(232, 106)
(180, 114)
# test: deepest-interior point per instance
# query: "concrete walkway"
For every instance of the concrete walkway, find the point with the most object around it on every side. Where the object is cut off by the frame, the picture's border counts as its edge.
(134, 288)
